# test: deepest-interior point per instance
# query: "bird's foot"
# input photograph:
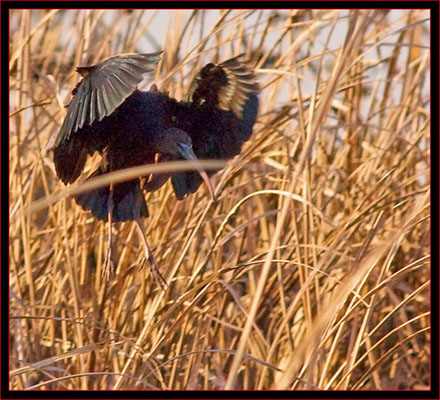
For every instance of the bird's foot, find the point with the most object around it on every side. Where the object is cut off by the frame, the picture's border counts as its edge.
(154, 270)
(108, 270)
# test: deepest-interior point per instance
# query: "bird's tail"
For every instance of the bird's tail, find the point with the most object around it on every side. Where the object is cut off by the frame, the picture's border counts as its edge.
(128, 200)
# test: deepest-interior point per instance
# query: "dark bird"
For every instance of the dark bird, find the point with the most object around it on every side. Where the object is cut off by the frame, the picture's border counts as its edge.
(128, 127)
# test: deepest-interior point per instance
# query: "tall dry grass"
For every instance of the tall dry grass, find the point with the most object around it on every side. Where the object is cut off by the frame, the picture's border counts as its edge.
(311, 271)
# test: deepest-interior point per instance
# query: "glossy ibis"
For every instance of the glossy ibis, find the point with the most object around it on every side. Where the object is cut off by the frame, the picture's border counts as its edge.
(128, 127)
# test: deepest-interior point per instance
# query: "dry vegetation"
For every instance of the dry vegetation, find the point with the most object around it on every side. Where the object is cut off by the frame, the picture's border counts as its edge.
(312, 269)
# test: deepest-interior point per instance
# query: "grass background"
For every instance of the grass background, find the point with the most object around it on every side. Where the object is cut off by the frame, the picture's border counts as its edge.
(312, 269)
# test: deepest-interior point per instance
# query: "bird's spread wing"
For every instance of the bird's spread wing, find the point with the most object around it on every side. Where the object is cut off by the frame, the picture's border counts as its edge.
(227, 86)
(104, 88)
(241, 84)
(219, 116)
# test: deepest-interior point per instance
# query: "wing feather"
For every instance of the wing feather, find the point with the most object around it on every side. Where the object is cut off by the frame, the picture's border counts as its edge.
(221, 107)
(227, 85)
(104, 88)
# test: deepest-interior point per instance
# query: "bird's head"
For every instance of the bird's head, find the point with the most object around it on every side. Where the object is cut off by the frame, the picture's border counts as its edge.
(178, 143)
(173, 141)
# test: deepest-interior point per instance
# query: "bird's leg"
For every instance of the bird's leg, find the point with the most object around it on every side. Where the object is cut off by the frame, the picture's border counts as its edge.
(154, 269)
(109, 263)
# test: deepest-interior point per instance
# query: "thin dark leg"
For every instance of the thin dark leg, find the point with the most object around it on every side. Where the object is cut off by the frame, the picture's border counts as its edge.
(109, 263)
(154, 269)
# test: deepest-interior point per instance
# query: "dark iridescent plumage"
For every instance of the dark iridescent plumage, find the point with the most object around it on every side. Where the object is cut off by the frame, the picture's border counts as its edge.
(128, 127)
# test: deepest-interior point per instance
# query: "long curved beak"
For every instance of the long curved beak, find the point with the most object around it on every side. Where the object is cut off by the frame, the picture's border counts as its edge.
(188, 153)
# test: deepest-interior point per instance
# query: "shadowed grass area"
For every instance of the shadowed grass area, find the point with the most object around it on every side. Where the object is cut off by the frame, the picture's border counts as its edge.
(312, 268)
